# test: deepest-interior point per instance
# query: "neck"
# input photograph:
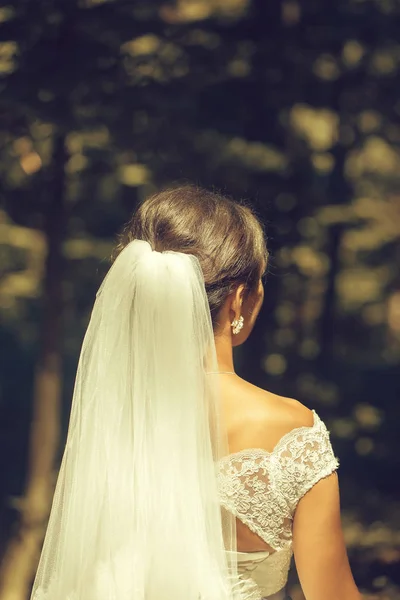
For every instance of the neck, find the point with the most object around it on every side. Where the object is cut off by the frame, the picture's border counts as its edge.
(224, 350)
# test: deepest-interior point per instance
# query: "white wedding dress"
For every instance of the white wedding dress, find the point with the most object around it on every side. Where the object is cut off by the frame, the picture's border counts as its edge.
(262, 489)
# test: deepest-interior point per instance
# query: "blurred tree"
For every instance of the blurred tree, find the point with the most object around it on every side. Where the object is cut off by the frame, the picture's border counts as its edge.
(20, 559)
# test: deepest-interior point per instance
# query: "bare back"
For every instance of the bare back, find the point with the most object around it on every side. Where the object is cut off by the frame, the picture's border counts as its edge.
(256, 418)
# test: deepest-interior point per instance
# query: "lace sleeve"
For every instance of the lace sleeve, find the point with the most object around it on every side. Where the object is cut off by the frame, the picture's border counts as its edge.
(306, 457)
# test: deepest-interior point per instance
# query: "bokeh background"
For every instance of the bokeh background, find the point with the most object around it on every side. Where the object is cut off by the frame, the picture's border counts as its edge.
(293, 105)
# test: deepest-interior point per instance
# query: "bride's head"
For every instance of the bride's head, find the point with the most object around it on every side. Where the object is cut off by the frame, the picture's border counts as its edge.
(225, 236)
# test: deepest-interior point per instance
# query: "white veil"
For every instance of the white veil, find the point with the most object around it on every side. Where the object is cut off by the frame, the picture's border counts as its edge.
(135, 514)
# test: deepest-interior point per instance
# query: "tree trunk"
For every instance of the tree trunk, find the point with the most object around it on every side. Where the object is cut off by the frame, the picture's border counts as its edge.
(339, 194)
(328, 317)
(20, 560)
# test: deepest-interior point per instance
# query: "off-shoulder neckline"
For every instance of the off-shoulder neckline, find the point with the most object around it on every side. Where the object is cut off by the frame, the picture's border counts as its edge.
(281, 442)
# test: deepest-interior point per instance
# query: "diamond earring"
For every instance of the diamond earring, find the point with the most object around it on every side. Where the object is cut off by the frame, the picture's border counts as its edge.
(237, 325)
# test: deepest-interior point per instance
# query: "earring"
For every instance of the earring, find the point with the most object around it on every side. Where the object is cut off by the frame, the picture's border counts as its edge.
(237, 325)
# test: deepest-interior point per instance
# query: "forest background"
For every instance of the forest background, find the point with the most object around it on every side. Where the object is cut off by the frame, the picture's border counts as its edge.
(291, 105)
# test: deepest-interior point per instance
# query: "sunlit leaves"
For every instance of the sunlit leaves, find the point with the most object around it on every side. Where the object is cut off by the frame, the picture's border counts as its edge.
(369, 121)
(359, 286)
(368, 416)
(326, 67)
(187, 11)
(318, 126)
(291, 12)
(385, 62)
(352, 53)
(274, 364)
(151, 58)
(8, 54)
(6, 13)
(377, 155)
(310, 262)
(23, 281)
(255, 156)
(134, 174)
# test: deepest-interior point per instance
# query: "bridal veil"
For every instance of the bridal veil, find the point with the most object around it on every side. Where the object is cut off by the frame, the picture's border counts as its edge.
(136, 514)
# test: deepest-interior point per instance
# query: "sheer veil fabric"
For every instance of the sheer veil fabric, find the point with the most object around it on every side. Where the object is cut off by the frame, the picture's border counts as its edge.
(136, 513)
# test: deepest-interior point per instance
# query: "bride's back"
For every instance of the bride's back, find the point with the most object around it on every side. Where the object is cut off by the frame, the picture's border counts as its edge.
(279, 481)
(257, 419)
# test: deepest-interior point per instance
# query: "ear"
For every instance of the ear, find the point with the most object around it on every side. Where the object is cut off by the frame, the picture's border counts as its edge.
(235, 308)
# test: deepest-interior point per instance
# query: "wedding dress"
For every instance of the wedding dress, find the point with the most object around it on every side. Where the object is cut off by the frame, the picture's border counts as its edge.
(262, 490)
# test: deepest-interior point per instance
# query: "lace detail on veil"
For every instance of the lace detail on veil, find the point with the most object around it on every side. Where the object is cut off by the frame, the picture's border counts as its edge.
(262, 488)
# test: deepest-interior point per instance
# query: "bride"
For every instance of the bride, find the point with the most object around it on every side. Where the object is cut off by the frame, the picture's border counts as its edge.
(180, 480)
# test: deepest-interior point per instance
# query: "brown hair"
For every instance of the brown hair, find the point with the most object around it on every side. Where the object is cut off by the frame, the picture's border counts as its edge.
(225, 236)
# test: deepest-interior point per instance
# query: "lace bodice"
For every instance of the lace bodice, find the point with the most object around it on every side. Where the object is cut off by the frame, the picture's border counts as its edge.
(262, 489)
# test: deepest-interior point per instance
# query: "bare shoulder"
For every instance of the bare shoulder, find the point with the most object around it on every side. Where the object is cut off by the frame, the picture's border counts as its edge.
(291, 412)
(262, 418)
